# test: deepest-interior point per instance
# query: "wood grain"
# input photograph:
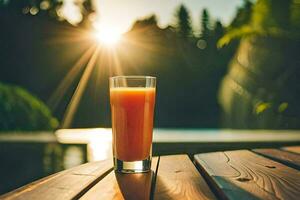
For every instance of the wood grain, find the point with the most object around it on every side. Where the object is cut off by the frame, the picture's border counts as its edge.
(245, 175)
(31, 185)
(285, 157)
(118, 186)
(294, 149)
(68, 184)
(178, 178)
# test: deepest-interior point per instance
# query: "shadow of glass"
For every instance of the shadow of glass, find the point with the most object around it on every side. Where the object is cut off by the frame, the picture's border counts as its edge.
(162, 190)
(135, 186)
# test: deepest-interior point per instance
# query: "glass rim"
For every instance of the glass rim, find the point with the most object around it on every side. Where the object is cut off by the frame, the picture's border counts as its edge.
(133, 77)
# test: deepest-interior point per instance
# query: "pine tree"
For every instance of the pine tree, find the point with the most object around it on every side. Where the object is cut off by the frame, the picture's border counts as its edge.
(218, 30)
(205, 26)
(183, 24)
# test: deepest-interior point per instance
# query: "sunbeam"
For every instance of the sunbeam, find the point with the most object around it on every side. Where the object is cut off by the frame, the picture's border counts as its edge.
(65, 84)
(107, 52)
(67, 35)
(75, 100)
(116, 63)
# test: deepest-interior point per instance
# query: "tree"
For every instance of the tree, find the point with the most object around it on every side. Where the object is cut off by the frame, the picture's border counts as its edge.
(183, 24)
(238, 25)
(243, 15)
(270, 30)
(20, 110)
(275, 14)
(87, 10)
(218, 31)
(205, 25)
(149, 21)
(50, 9)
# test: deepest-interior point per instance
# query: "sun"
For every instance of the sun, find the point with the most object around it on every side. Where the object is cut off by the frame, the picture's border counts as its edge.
(107, 36)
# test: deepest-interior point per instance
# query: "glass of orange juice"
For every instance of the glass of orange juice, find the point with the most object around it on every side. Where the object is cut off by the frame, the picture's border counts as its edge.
(132, 100)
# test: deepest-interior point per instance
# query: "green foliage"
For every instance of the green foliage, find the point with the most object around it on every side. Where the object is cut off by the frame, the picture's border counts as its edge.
(261, 89)
(218, 31)
(183, 23)
(270, 13)
(19, 110)
(235, 33)
(276, 18)
(149, 21)
(295, 14)
(205, 27)
(243, 15)
(52, 9)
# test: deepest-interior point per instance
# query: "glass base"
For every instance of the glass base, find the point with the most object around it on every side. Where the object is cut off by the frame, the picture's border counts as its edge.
(132, 166)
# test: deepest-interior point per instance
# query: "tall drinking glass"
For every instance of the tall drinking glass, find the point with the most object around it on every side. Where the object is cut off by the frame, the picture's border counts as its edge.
(132, 100)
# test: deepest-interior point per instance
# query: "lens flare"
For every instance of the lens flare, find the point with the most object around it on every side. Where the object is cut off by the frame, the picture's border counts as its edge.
(107, 36)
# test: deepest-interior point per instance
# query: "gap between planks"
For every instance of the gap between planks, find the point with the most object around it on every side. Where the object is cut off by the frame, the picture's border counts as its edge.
(285, 157)
(293, 149)
(178, 178)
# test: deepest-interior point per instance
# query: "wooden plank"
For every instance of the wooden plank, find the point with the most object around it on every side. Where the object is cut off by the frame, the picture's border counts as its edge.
(31, 185)
(178, 178)
(124, 186)
(68, 184)
(245, 175)
(285, 157)
(294, 149)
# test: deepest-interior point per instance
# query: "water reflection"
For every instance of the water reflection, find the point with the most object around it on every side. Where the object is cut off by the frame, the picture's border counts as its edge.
(24, 162)
(73, 156)
(98, 140)
(26, 157)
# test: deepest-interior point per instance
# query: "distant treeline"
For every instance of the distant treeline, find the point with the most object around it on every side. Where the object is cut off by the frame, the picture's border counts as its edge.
(39, 48)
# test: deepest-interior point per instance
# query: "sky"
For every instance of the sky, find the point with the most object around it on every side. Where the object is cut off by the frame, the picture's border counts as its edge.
(121, 14)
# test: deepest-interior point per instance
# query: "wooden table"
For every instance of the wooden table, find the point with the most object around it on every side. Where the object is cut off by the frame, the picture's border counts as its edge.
(240, 174)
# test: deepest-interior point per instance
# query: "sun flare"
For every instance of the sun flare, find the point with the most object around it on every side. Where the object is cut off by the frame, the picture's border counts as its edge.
(107, 36)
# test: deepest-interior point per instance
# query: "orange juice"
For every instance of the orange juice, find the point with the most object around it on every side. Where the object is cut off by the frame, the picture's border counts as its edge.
(132, 122)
